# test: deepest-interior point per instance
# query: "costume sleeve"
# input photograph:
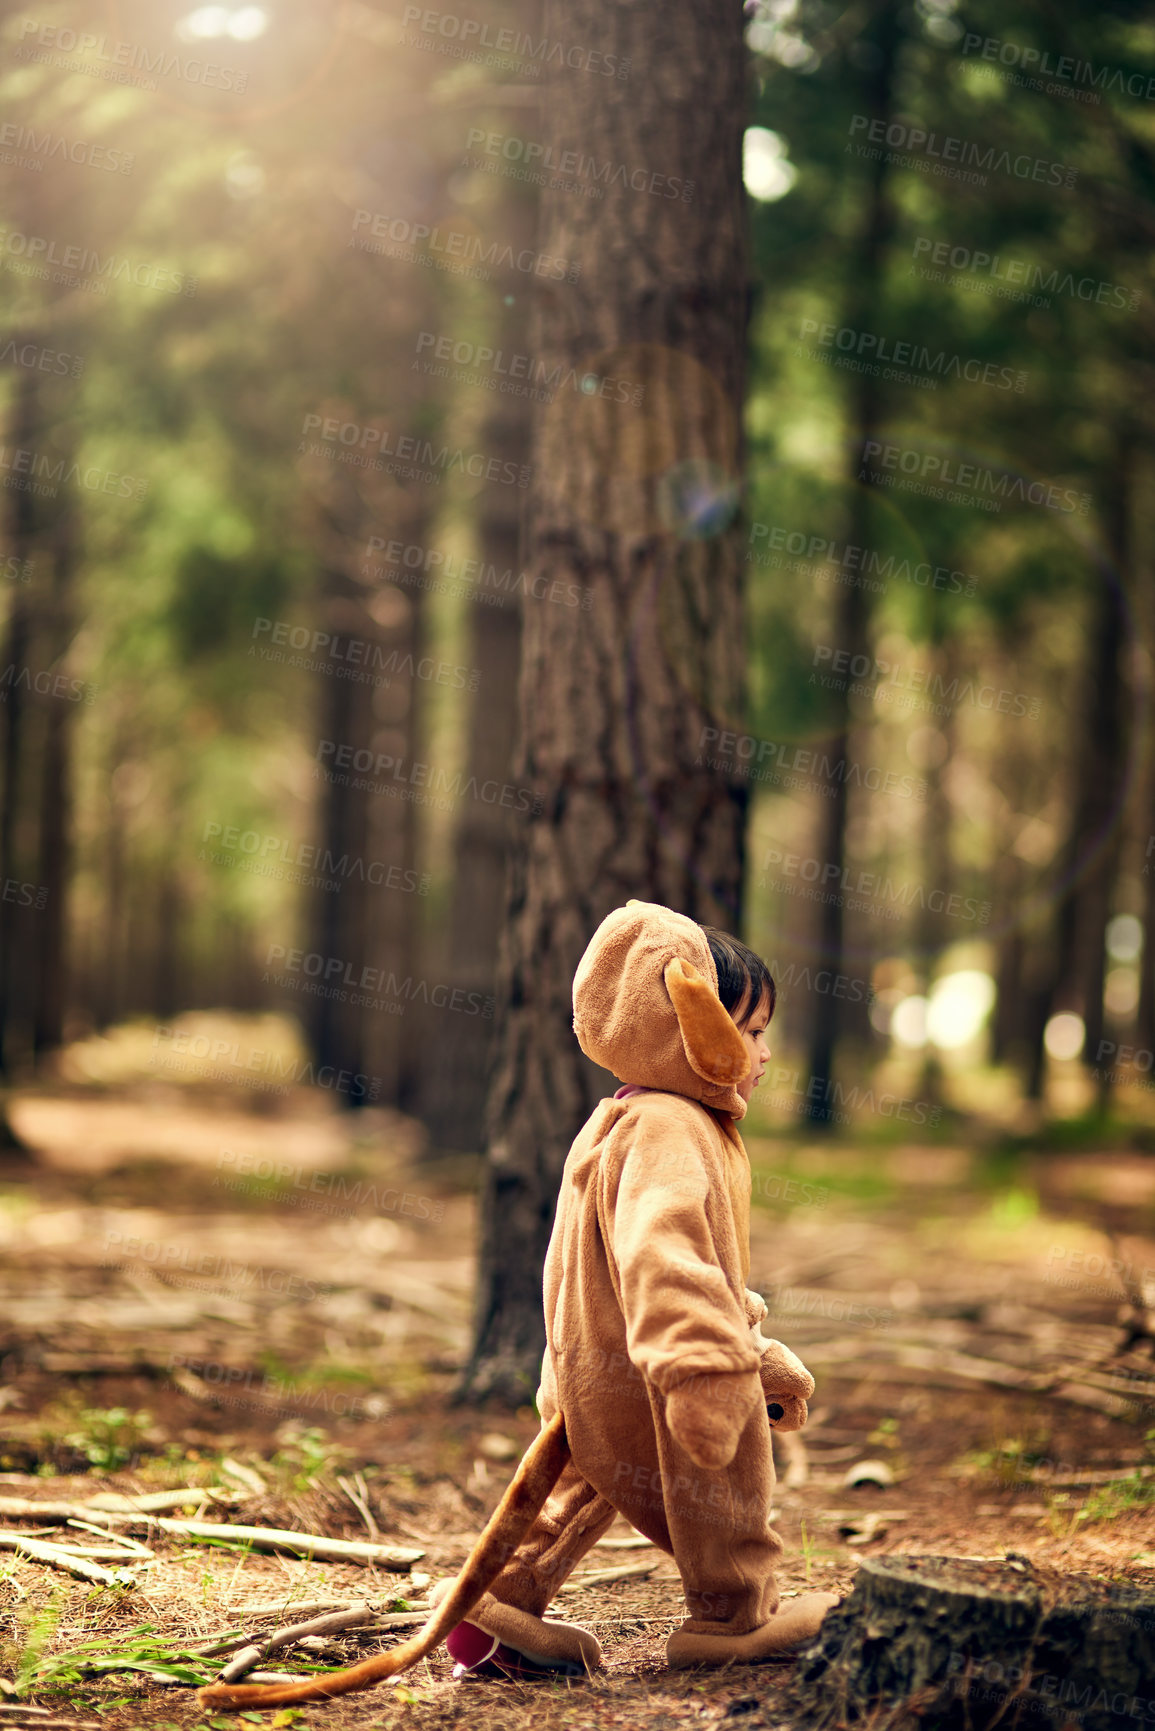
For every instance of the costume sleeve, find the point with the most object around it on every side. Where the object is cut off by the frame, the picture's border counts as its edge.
(682, 1317)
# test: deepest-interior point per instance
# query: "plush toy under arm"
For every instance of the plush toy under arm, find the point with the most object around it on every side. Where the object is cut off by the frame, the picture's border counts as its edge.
(786, 1383)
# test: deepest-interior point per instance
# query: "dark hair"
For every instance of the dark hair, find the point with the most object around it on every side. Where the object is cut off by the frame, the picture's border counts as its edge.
(740, 972)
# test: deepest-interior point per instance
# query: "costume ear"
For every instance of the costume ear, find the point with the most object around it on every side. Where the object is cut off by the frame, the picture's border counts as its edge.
(713, 1046)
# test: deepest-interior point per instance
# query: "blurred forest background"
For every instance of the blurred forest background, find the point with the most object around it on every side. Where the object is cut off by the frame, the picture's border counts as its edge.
(242, 661)
(460, 470)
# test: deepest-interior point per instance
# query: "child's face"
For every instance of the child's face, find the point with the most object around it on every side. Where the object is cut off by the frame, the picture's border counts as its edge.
(752, 1025)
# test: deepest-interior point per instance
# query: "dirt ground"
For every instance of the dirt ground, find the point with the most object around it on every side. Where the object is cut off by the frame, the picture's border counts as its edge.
(186, 1281)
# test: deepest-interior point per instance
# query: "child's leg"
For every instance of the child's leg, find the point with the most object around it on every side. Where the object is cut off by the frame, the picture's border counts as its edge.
(727, 1552)
(716, 1525)
(573, 1519)
(510, 1612)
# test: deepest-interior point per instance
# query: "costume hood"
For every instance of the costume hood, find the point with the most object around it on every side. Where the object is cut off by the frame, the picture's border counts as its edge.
(646, 1007)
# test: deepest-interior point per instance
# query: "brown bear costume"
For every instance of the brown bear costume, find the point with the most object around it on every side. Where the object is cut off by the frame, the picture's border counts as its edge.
(654, 1354)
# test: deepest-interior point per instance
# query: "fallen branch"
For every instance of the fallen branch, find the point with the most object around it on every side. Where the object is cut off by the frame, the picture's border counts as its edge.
(300, 1544)
(23, 1716)
(60, 1559)
(23, 1509)
(109, 1503)
(152, 1502)
(105, 1553)
(331, 1624)
(211, 1646)
(601, 1577)
(126, 1546)
(280, 1606)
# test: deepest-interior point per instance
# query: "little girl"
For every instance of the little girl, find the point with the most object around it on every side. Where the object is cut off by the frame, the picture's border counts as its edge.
(654, 1354)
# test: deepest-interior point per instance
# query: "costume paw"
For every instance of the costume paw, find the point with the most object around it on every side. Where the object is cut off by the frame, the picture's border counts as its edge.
(708, 1415)
(792, 1627)
(786, 1383)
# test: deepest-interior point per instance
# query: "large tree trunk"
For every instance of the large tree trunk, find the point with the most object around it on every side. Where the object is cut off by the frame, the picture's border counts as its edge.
(852, 614)
(621, 704)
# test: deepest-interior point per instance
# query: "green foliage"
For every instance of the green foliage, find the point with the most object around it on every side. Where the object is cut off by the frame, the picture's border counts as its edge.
(1007, 1462)
(808, 1547)
(155, 1656)
(1121, 1497)
(109, 1438)
(305, 1456)
(41, 1629)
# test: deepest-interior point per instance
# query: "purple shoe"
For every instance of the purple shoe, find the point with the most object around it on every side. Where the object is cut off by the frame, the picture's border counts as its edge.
(478, 1654)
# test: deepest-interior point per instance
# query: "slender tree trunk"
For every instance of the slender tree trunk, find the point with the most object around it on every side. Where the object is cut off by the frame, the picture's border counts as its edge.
(1091, 855)
(938, 858)
(852, 617)
(1110, 769)
(370, 922)
(396, 920)
(14, 1034)
(337, 930)
(458, 1048)
(169, 986)
(619, 704)
(1145, 1029)
(56, 804)
(108, 993)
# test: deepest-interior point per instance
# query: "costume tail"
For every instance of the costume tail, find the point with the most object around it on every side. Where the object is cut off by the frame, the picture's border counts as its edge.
(540, 1469)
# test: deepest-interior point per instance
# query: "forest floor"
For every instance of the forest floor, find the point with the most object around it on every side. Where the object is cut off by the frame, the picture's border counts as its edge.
(185, 1283)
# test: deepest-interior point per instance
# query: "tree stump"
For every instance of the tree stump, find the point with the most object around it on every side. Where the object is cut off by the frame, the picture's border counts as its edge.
(954, 1644)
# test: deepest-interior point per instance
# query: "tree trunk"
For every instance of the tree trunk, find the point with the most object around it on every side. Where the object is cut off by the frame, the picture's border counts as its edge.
(934, 935)
(1110, 769)
(458, 1049)
(954, 1643)
(368, 924)
(620, 703)
(1091, 855)
(337, 929)
(51, 998)
(852, 610)
(14, 1035)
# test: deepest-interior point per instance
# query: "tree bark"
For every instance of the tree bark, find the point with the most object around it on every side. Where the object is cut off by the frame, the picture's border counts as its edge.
(51, 992)
(458, 1050)
(1091, 855)
(631, 501)
(15, 1037)
(337, 929)
(1110, 773)
(952, 1643)
(937, 851)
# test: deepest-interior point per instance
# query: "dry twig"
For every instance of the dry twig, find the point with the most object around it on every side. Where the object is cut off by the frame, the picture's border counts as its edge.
(57, 1558)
